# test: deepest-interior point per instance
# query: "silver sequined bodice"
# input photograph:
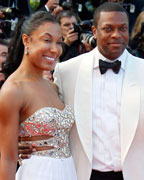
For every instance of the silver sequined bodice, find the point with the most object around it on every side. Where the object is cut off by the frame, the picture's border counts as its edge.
(52, 122)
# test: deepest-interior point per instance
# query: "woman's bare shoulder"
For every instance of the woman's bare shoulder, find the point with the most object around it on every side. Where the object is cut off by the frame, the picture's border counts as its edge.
(11, 86)
(11, 93)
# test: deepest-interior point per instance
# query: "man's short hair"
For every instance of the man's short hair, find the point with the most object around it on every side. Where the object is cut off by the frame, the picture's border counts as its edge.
(66, 13)
(4, 42)
(107, 7)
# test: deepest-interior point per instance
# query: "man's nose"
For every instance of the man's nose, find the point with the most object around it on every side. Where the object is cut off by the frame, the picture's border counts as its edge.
(116, 33)
(71, 26)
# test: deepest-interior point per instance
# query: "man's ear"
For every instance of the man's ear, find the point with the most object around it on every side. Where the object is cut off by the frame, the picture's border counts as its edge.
(94, 30)
(25, 39)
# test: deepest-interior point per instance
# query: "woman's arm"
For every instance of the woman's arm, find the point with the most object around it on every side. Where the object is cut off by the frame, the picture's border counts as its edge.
(10, 103)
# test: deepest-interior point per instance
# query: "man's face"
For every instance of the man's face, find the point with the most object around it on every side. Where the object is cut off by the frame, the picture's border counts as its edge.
(3, 53)
(52, 4)
(67, 24)
(112, 34)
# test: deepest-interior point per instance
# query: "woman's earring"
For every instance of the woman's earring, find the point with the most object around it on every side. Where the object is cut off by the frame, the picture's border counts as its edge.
(26, 51)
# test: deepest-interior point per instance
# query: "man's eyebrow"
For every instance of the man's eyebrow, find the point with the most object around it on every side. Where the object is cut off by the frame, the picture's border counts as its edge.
(107, 24)
(56, 3)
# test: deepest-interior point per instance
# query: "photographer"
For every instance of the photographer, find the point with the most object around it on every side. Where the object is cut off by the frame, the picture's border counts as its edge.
(51, 6)
(9, 17)
(3, 56)
(22, 5)
(10, 12)
(71, 45)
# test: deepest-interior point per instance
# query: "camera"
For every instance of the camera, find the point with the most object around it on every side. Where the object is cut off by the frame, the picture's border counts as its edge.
(89, 38)
(8, 23)
(10, 13)
(84, 32)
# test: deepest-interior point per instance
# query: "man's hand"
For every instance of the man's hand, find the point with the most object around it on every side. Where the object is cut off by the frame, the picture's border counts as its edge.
(1, 15)
(25, 150)
(2, 77)
(56, 10)
(87, 46)
(71, 37)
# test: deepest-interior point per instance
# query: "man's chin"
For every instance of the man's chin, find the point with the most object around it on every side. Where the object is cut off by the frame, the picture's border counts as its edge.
(116, 53)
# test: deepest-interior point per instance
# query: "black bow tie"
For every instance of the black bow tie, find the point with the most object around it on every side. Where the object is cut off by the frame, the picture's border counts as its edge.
(104, 66)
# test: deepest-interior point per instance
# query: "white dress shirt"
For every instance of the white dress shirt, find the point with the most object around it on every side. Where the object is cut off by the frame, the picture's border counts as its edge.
(106, 116)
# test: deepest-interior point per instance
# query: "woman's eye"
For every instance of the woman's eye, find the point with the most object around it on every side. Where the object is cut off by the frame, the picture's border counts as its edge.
(47, 40)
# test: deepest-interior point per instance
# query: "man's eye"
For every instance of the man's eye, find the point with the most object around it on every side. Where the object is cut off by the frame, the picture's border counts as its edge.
(66, 25)
(108, 29)
(3, 54)
(123, 28)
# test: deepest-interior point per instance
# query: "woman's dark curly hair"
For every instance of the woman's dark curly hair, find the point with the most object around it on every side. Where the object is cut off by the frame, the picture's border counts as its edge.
(26, 25)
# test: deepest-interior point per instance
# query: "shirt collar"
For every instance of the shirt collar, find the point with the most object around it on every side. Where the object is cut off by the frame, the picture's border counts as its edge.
(47, 8)
(98, 56)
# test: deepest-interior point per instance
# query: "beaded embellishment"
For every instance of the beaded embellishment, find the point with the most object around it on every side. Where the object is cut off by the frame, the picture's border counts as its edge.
(50, 122)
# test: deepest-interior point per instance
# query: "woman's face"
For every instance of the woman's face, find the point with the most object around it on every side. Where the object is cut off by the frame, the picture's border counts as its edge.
(45, 46)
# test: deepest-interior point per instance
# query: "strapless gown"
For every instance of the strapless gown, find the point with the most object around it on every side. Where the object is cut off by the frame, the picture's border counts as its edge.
(54, 164)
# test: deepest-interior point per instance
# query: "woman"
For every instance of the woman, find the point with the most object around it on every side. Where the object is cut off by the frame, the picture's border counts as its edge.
(30, 108)
(137, 37)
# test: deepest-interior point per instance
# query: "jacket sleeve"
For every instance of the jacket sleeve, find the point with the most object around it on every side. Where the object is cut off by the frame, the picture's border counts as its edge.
(58, 81)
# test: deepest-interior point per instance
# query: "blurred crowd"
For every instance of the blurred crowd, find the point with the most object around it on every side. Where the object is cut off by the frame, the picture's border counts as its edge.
(75, 18)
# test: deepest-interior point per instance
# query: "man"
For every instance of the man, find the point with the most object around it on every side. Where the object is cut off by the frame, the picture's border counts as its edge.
(72, 46)
(108, 136)
(22, 5)
(67, 19)
(52, 6)
(3, 56)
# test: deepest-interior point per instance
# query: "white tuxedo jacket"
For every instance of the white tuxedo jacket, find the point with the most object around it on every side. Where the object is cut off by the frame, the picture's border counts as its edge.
(74, 79)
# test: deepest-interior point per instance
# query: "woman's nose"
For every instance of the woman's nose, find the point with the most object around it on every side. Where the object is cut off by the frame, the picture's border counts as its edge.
(53, 47)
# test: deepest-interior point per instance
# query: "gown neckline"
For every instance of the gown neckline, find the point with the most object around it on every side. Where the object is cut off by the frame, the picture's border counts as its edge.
(45, 107)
